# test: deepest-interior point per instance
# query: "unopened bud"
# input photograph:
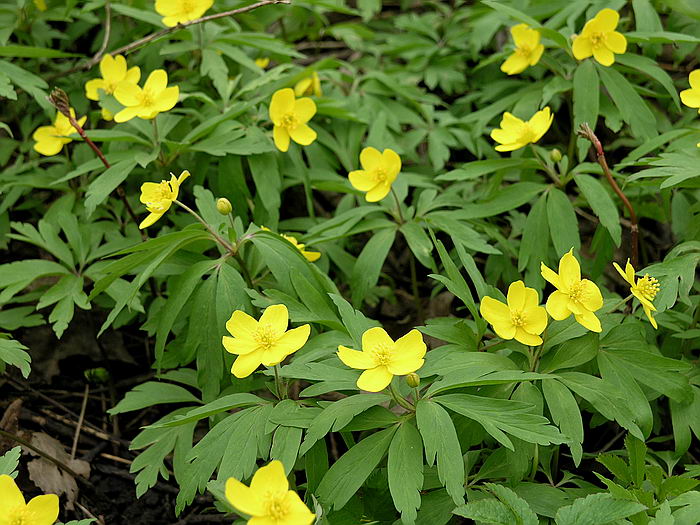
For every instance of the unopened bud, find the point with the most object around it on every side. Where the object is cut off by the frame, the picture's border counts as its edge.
(413, 380)
(223, 206)
(555, 155)
(60, 101)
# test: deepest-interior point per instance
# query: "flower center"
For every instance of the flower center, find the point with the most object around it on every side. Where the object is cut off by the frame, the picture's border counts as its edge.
(265, 337)
(277, 509)
(524, 50)
(527, 134)
(517, 318)
(597, 39)
(577, 292)
(648, 286)
(290, 121)
(21, 516)
(382, 355)
(147, 99)
(380, 175)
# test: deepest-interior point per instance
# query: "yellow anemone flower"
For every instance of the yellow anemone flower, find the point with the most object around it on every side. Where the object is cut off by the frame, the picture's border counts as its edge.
(159, 196)
(114, 71)
(268, 500)
(381, 358)
(528, 49)
(51, 139)
(265, 342)
(310, 256)
(378, 173)
(644, 289)
(180, 11)
(155, 97)
(599, 38)
(290, 115)
(691, 97)
(515, 133)
(522, 318)
(41, 510)
(310, 85)
(574, 295)
(262, 62)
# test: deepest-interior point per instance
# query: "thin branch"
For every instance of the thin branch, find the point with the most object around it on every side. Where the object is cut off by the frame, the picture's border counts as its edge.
(108, 32)
(76, 436)
(586, 132)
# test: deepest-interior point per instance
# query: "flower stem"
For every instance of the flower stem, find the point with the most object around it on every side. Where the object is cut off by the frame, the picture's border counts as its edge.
(399, 398)
(281, 393)
(223, 242)
(552, 174)
(398, 207)
(414, 285)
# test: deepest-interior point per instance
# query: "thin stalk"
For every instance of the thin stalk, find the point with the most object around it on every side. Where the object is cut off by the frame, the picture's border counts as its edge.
(398, 207)
(552, 174)
(156, 140)
(535, 462)
(399, 398)
(224, 243)
(244, 270)
(281, 394)
(414, 285)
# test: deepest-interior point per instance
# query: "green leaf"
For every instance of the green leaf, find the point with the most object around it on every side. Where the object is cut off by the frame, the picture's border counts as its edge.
(285, 446)
(479, 376)
(9, 462)
(100, 188)
(508, 508)
(572, 353)
(511, 12)
(152, 393)
(346, 476)
(441, 443)
(586, 101)
(17, 51)
(368, 266)
(566, 414)
(535, 240)
(563, 225)
(509, 198)
(419, 242)
(222, 404)
(354, 321)
(602, 205)
(13, 353)
(405, 471)
(597, 509)
(660, 37)
(478, 168)
(650, 68)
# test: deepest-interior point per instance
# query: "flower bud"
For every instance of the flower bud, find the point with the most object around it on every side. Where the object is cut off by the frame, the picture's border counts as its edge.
(555, 155)
(223, 206)
(413, 380)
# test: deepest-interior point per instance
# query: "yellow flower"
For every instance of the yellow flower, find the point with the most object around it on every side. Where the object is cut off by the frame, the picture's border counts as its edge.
(644, 289)
(691, 97)
(262, 62)
(265, 342)
(310, 256)
(378, 173)
(290, 115)
(522, 318)
(159, 196)
(41, 510)
(155, 97)
(51, 139)
(528, 49)
(40, 5)
(310, 85)
(381, 358)
(515, 133)
(180, 11)
(574, 295)
(599, 38)
(114, 72)
(268, 500)
(106, 114)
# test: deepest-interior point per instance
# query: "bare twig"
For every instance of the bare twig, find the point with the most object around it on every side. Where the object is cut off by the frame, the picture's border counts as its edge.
(586, 132)
(108, 32)
(76, 436)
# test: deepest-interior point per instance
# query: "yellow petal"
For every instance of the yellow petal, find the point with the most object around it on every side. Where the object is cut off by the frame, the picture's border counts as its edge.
(540, 123)
(370, 159)
(49, 146)
(694, 79)
(650, 316)
(643, 300)
(11, 495)
(374, 379)
(362, 180)
(591, 299)
(282, 103)
(550, 276)
(589, 320)
(276, 317)
(376, 337)
(355, 358)
(391, 163)
(623, 274)
(43, 509)
(270, 478)
(91, 87)
(281, 137)
(408, 354)
(244, 365)
(157, 82)
(293, 340)
(304, 109)
(495, 312)
(128, 94)
(243, 498)
(302, 87)
(504, 330)
(514, 64)
(303, 134)
(606, 20)
(377, 193)
(516, 296)
(133, 75)
(521, 34)
(536, 54)
(183, 175)
(298, 512)
(535, 320)
(558, 306)
(167, 98)
(527, 339)
(311, 256)
(239, 345)
(604, 56)
(126, 114)
(582, 47)
(691, 97)
(616, 42)
(149, 220)
(569, 268)
(113, 69)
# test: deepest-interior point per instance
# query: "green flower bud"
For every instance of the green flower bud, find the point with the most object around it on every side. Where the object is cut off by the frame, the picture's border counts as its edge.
(223, 206)
(413, 380)
(555, 155)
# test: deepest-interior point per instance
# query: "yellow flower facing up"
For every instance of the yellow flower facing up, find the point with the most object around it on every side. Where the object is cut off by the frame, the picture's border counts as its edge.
(114, 72)
(264, 342)
(155, 97)
(644, 289)
(262, 62)
(382, 358)
(515, 133)
(310, 85)
(574, 295)
(599, 38)
(41, 510)
(378, 173)
(310, 256)
(159, 196)
(268, 500)
(528, 49)
(180, 11)
(522, 318)
(290, 116)
(51, 139)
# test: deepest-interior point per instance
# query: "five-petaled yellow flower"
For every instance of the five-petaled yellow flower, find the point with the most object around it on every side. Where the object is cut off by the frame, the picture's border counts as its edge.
(644, 289)
(381, 358)
(574, 295)
(51, 139)
(310, 256)
(265, 342)
(378, 173)
(268, 500)
(522, 318)
(310, 85)
(528, 49)
(159, 196)
(155, 97)
(599, 38)
(515, 133)
(290, 116)
(114, 72)
(262, 62)
(41, 510)
(180, 11)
